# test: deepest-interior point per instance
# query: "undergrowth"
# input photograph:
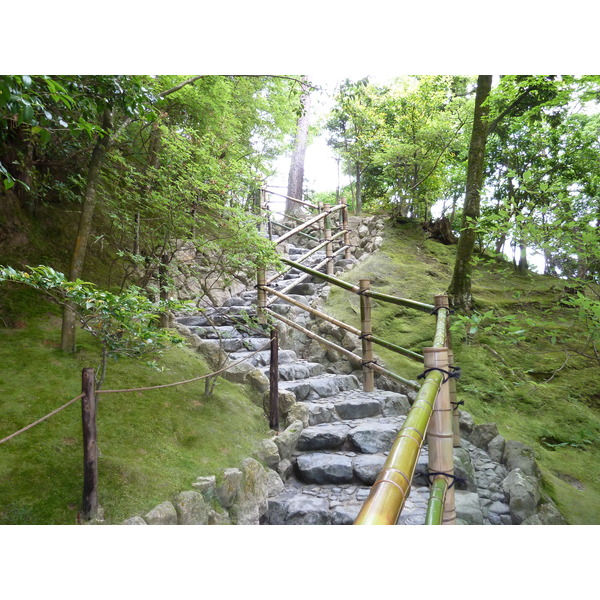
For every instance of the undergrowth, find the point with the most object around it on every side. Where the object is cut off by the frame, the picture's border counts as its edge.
(517, 368)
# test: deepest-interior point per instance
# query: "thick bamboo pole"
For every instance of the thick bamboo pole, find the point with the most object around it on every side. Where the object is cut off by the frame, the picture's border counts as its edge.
(327, 236)
(435, 506)
(346, 229)
(392, 486)
(353, 288)
(439, 433)
(395, 348)
(300, 228)
(454, 404)
(293, 199)
(366, 332)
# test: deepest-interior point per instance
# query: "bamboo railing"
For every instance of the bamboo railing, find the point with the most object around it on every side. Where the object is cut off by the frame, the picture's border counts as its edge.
(434, 414)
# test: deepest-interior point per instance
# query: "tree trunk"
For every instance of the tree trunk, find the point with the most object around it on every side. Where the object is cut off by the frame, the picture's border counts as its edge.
(358, 205)
(523, 264)
(296, 174)
(85, 227)
(460, 286)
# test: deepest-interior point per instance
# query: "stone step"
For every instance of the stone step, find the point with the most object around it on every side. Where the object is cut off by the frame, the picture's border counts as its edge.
(357, 404)
(297, 370)
(365, 436)
(320, 387)
(264, 358)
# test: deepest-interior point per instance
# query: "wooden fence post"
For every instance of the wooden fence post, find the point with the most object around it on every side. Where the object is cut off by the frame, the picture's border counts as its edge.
(261, 295)
(274, 381)
(327, 235)
(439, 433)
(365, 328)
(454, 404)
(345, 227)
(90, 450)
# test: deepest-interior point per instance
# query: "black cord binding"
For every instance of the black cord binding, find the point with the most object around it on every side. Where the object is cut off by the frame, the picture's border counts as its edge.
(453, 374)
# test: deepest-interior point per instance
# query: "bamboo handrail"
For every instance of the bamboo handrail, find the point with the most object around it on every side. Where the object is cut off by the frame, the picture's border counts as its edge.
(303, 202)
(306, 235)
(301, 227)
(391, 488)
(355, 289)
(305, 256)
(313, 311)
(395, 348)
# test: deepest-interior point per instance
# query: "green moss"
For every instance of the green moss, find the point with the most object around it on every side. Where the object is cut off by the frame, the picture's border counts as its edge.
(515, 380)
(152, 444)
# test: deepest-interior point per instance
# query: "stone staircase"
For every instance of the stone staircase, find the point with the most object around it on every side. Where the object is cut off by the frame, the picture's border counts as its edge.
(335, 444)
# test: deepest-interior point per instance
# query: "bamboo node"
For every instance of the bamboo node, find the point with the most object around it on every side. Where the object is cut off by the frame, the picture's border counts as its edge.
(451, 476)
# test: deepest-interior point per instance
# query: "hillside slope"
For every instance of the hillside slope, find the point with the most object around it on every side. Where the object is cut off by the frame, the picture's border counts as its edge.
(513, 364)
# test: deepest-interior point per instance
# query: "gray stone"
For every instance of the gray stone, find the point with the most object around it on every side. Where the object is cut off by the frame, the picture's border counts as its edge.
(299, 412)
(467, 507)
(229, 487)
(323, 437)
(367, 467)
(358, 408)
(345, 515)
(163, 514)
(496, 448)
(285, 469)
(218, 518)
(239, 373)
(325, 468)
(275, 484)
(304, 510)
(523, 493)
(207, 486)
(463, 468)
(286, 441)
(268, 453)
(396, 405)
(191, 508)
(519, 456)
(482, 435)
(319, 412)
(466, 423)
(134, 521)
(258, 380)
(499, 508)
(374, 437)
(251, 500)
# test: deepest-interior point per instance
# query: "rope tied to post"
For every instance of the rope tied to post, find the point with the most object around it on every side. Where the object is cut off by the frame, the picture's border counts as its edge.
(453, 374)
(454, 478)
(437, 308)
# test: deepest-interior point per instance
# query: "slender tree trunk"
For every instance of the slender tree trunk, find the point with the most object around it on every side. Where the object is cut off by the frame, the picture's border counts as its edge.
(296, 174)
(460, 286)
(523, 264)
(358, 205)
(85, 227)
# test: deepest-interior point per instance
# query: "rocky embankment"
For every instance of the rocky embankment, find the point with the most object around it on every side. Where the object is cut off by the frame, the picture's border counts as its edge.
(335, 437)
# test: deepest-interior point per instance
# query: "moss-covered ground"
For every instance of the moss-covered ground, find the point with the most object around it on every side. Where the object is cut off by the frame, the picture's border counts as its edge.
(511, 365)
(151, 444)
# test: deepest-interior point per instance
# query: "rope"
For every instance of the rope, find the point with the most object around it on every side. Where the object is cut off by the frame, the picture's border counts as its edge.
(156, 387)
(454, 374)
(455, 478)
(166, 385)
(16, 433)
(435, 310)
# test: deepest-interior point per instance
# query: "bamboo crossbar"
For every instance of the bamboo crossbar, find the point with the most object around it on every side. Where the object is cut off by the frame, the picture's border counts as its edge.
(305, 256)
(302, 227)
(435, 505)
(355, 289)
(321, 264)
(303, 202)
(379, 369)
(395, 348)
(313, 311)
(314, 336)
(306, 235)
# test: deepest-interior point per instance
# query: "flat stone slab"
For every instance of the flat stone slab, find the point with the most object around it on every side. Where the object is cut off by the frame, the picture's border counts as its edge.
(371, 438)
(307, 510)
(299, 370)
(320, 387)
(368, 466)
(325, 468)
(323, 437)
(358, 408)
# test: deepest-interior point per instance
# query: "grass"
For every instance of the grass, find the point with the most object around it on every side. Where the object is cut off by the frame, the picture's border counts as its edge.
(506, 364)
(151, 445)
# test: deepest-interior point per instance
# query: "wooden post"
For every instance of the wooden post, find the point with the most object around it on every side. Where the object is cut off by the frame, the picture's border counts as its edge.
(261, 295)
(365, 327)
(439, 433)
(329, 247)
(90, 451)
(453, 403)
(274, 381)
(346, 228)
